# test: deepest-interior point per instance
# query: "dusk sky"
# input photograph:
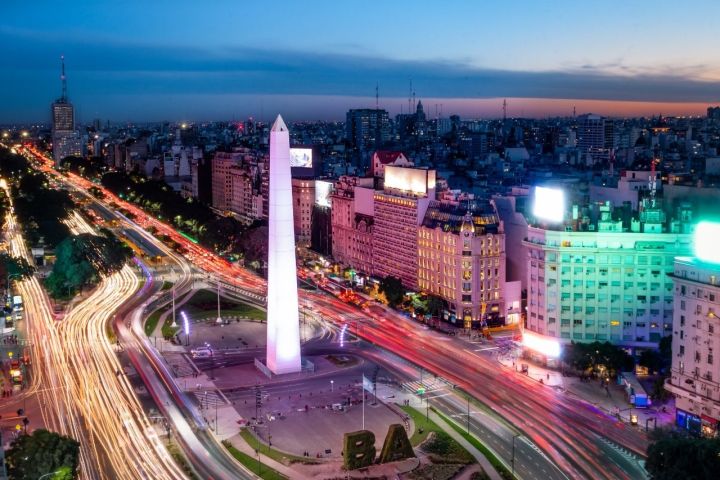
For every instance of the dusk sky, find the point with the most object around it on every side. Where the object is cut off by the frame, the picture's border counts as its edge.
(217, 60)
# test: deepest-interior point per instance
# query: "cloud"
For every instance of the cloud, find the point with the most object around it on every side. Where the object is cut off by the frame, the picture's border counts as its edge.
(98, 68)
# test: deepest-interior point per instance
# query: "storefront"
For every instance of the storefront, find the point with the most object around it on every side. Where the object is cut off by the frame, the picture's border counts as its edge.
(689, 421)
(709, 426)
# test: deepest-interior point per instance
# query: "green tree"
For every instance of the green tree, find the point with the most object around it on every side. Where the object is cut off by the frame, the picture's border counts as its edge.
(15, 266)
(435, 305)
(41, 453)
(586, 356)
(676, 457)
(393, 289)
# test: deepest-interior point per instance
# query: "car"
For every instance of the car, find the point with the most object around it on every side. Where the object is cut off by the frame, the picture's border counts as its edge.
(201, 352)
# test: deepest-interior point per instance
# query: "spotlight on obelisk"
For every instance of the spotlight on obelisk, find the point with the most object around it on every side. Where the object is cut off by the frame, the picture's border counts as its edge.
(283, 322)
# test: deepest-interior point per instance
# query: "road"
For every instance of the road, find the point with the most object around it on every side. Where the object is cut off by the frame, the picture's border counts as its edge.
(568, 431)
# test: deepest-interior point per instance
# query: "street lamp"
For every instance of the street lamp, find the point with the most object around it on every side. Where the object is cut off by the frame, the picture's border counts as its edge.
(174, 323)
(44, 475)
(332, 385)
(219, 318)
(512, 462)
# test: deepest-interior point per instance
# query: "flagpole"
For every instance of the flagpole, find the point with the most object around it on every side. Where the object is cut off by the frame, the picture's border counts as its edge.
(363, 402)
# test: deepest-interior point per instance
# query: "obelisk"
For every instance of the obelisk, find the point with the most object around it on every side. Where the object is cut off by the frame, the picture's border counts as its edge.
(283, 322)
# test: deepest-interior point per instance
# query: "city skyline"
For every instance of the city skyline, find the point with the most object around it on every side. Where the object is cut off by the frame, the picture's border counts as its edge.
(315, 62)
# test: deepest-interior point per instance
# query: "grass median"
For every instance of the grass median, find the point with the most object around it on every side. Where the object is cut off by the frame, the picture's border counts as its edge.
(277, 455)
(252, 464)
(494, 461)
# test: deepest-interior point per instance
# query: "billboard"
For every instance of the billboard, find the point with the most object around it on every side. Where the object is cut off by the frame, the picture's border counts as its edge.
(415, 180)
(547, 346)
(704, 239)
(549, 204)
(301, 157)
(323, 189)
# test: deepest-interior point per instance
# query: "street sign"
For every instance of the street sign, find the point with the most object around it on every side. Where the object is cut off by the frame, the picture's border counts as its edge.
(421, 391)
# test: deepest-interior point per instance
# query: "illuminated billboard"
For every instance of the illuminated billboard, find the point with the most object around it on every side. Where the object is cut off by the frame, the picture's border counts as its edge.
(549, 204)
(301, 157)
(322, 193)
(415, 180)
(705, 239)
(544, 345)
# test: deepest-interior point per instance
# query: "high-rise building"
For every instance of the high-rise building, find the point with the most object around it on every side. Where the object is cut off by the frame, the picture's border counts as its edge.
(591, 137)
(221, 165)
(606, 279)
(283, 322)
(367, 129)
(399, 211)
(694, 374)
(461, 250)
(66, 141)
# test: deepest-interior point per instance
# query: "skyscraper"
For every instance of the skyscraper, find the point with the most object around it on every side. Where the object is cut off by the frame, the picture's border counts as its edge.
(283, 325)
(66, 141)
(367, 129)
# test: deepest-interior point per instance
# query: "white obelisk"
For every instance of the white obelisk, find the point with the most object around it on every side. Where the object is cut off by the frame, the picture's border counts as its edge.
(283, 322)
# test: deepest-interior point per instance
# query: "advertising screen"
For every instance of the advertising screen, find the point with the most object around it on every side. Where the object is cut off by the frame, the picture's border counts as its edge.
(322, 191)
(301, 157)
(549, 204)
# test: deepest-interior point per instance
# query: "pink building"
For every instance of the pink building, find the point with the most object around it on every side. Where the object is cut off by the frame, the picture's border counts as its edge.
(461, 259)
(352, 218)
(303, 197)
(399, 210)
(221, 179)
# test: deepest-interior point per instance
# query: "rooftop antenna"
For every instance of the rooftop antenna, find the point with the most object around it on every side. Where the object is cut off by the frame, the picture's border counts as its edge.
(652, 183)
(414, 106)
(64, 80)
(504, 109)
(573, 112)
(377, 96)
(410, 98)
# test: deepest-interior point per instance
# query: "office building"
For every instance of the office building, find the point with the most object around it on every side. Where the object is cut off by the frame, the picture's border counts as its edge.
(367, 129)
(604, 279)
(66, 141)
(399, 211)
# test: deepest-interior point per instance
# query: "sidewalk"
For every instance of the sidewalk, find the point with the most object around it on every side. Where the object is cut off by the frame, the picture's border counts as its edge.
(608, 401)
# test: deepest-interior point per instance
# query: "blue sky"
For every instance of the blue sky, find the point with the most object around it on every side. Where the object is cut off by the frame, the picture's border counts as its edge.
(156, 60)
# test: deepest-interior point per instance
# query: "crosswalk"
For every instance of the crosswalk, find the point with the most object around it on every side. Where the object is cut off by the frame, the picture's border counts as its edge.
(209, 399)
(431, 387)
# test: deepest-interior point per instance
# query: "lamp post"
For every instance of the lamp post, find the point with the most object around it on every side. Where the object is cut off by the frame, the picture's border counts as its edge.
(332, 385)
(468, 414)
(219, 318)
(512, 462)
(45, 475)
(174, 323)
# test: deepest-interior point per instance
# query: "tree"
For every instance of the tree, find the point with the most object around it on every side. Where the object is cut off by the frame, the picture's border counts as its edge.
(15, 266)
(393, 289)
(435, 305)
(674, 457)
(586, 356)
(40, 453)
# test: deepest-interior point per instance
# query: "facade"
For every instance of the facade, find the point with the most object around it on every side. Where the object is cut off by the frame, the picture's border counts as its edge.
(461, 258)
(283, 322)
(399, 211)
(604, 282)
(221, 167)
(303, 193)
(352, 219)
(367, 129)
(695, 375)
